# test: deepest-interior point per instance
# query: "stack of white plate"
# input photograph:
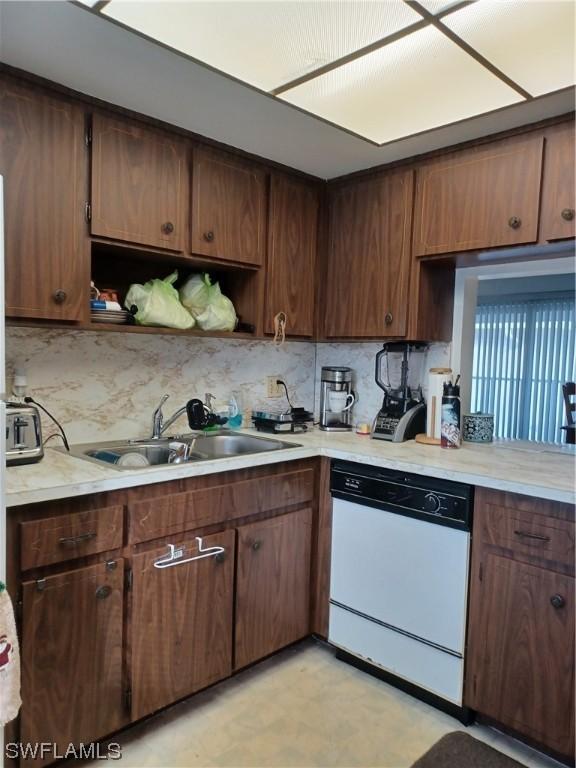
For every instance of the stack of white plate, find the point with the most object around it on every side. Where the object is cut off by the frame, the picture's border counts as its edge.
(117, 317)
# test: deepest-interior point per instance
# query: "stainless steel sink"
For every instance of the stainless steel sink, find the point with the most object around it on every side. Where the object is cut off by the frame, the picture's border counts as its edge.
(139, 454)
(219, 446)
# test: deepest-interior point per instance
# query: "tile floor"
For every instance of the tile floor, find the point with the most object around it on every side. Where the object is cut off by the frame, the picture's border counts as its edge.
(299, 709)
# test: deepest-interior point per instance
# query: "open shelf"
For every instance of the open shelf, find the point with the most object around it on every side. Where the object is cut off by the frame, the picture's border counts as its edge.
(158, 329)
(118, 267)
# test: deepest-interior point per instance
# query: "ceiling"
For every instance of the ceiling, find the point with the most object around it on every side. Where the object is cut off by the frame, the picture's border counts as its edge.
(333, 59)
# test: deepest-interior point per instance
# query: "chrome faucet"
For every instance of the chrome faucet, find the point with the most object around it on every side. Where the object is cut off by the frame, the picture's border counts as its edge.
(158, 419)
(208, 418)
(159, 426)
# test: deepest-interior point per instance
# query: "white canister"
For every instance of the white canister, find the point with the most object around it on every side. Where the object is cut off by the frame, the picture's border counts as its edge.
(437, 377)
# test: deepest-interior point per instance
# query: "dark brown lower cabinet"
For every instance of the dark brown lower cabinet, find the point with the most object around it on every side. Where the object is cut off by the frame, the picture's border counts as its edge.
(72, 656)
(180, 623)
(526, 651)
(520, 659)
(272, 585)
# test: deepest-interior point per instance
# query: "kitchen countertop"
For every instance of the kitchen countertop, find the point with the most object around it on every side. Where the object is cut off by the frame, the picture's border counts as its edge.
(532, 469)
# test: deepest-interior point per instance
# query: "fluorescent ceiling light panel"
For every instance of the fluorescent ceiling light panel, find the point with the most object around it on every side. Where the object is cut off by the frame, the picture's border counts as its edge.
(437, 6)
(532, 42)
(420, 82)
(265, 44)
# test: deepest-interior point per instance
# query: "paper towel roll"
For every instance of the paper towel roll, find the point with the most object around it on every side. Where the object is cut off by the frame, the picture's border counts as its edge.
(436, 379)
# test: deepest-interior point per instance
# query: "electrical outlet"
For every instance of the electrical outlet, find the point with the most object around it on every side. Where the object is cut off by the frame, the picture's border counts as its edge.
(274, 389)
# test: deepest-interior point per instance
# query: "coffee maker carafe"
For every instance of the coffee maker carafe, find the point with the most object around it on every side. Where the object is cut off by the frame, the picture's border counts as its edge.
(336, 399)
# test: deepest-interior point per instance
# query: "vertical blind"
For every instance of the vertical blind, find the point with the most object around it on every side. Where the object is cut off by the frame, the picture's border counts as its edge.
(524, 350)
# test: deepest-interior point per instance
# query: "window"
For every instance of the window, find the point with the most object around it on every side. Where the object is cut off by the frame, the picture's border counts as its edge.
(524, 350)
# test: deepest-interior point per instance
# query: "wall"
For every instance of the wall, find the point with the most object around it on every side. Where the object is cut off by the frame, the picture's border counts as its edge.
(104, 386)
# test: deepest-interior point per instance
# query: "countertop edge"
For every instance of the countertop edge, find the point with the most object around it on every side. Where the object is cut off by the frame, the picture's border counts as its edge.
(121, 480)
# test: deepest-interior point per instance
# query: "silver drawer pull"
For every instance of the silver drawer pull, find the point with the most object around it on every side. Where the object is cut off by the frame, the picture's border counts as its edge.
(71, 541)
(535, 536)
(175, 555)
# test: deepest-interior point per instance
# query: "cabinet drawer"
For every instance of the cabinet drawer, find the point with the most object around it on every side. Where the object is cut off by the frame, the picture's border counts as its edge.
(530, 535)
(57, 539)
(181, 512)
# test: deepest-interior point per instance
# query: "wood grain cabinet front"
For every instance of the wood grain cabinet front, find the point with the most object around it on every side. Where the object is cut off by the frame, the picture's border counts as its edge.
(67, 537)
(228, 208)
(558, 219)
(368, 265)
(483, 197)
(522, 673)
(272, 585)
(291, 265)
(181, 624)
(520, 657)
(42, 160)
(139, 184)
(71, 649)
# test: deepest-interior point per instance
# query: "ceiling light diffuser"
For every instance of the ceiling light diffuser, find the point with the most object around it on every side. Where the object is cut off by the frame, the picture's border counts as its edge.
(265, 44)
(418, 83)
(532, 42)
(437, 6)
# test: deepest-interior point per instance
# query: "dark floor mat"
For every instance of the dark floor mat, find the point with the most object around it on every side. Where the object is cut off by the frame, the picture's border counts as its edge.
(459, 750)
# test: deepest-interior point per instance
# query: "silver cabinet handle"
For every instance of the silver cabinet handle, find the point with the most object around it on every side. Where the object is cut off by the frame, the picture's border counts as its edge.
(535, 536)
(71, 541)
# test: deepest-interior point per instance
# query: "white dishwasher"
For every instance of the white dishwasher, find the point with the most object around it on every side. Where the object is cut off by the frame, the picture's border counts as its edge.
(399, 578)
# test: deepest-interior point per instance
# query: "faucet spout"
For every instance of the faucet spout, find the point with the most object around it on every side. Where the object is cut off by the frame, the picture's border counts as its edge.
(172, 419)
(158, 418)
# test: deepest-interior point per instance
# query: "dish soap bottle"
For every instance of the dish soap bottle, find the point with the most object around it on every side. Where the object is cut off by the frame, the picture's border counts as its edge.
(450, 433)
(235, 413)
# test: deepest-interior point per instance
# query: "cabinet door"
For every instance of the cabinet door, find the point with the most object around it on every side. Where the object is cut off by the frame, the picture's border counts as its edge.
(72, 655)
(272, 585)
(228, 209)
(479, 198)
(139, 184)
(558, 204)
(180, 623)
(521, 650)
(369, 258)
(42, 158)
(292, 237)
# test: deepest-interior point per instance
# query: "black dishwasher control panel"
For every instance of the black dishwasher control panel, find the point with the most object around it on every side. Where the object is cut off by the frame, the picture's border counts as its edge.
(425, 498)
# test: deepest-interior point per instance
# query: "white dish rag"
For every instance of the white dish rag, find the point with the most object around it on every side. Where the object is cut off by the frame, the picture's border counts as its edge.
(9, 660)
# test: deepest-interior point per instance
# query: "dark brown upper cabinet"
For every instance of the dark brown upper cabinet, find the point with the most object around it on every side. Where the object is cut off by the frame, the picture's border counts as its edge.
(139, 184)
(482, 197)
(291, 266)
(558, 217)
(368, 264)
(228, 208)
(42, 160)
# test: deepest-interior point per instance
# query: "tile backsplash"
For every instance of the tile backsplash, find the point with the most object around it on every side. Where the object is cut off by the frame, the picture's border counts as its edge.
(104, 386)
